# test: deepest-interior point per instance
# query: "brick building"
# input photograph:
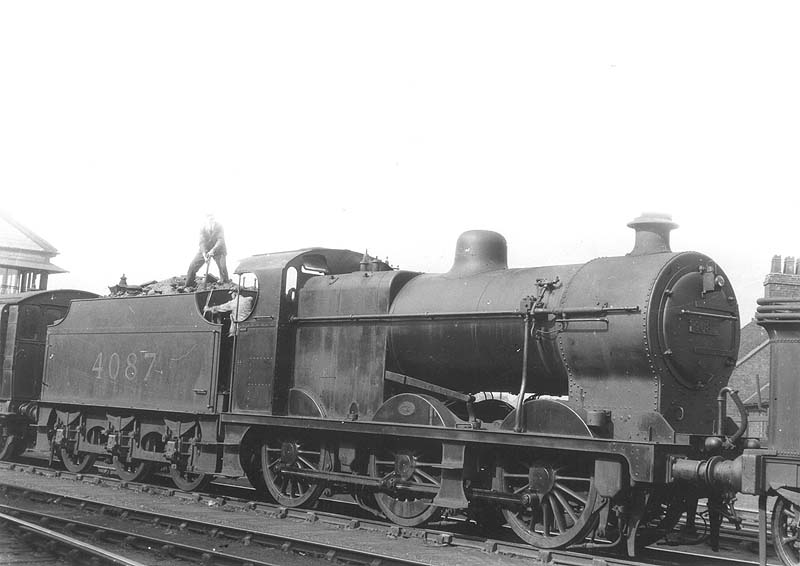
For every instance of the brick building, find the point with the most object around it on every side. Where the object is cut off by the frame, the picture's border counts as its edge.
(751, 375)
(24, 258)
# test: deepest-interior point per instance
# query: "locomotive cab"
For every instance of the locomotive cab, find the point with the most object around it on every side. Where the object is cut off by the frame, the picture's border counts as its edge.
(229, 307)
(265, 341)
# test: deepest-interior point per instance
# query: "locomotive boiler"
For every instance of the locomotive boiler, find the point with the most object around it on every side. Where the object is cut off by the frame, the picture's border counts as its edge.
(643, 341)
(351, 376)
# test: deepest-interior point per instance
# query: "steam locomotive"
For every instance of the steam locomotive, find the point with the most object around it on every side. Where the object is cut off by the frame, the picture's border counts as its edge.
(354, 377)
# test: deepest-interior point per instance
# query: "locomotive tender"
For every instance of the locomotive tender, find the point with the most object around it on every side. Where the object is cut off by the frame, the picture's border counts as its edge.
(351, 376)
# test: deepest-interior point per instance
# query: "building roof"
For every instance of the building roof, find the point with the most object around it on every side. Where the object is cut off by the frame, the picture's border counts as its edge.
(21, 248)
(14, 235)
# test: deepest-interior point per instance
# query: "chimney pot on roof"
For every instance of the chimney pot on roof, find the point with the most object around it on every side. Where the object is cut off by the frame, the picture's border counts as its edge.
(776, 264)
(788, 265)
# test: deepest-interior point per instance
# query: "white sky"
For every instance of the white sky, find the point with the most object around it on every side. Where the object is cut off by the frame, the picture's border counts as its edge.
(395, 126)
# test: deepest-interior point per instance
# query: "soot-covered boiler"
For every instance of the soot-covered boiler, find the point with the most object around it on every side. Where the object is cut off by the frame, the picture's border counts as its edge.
(650, 333)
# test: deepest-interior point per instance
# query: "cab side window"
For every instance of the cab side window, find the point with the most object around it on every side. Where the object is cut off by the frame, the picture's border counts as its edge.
(248, 285)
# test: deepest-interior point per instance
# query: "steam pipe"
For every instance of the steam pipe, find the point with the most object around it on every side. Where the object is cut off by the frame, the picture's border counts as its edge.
(722, 411)
(518, 424)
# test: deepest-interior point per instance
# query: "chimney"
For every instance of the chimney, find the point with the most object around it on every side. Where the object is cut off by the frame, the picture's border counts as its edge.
(783, 280)
(652, 233)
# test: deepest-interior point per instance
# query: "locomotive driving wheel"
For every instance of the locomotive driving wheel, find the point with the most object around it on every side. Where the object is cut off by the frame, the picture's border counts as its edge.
(786, 531)
(281, 455)
(404, 464)
(410, 461)
(558, 503)
(558, 499)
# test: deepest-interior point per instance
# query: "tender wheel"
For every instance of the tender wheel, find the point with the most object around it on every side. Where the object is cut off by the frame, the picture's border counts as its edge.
(80, 463)
(76, 463)
(8, 443)
(290, 490)
(138, 470)
(559, 500)
(19, 447)
(786, 531)
(189, 481)
(413, 466)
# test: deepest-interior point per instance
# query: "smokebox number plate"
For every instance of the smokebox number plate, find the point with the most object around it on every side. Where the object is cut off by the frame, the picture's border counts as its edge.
(703, 326)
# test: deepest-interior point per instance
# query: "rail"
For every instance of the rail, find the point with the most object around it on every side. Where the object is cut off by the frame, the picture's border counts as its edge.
(72, 547)
(429, 536)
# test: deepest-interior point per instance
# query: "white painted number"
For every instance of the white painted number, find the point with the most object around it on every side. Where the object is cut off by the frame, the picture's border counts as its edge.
(152, 357)
(113, 366)
(98, 366)
(131, 365)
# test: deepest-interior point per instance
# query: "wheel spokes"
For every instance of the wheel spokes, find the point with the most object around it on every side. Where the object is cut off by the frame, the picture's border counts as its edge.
(560, 502)
(288, 489)
(566, 506)
(431, 479)
(545, 518)
(571, 493)
(408, 467)
(308, 464)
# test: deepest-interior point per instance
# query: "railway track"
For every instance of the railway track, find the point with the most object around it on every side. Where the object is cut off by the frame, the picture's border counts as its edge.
(166, 537)
(500, 550)
(54, 543)
(239, 492)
